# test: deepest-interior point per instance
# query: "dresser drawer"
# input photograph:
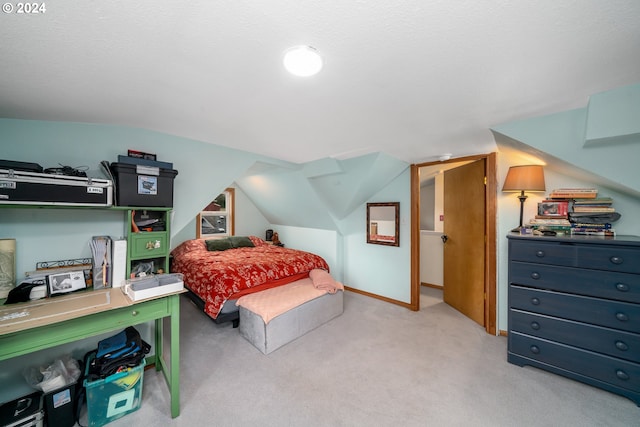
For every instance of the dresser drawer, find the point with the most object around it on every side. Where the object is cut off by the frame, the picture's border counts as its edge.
(613, 314)
(620, 373)
(141, 312)
(611, 258)
(148, 245)
(573, 254)
(625, 345)
(543, 252)
(605, 284)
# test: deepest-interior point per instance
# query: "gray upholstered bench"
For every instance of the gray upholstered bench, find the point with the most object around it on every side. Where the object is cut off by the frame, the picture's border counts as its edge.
(272, 333)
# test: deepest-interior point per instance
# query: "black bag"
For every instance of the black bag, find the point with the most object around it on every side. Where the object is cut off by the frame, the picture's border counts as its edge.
(118, 352)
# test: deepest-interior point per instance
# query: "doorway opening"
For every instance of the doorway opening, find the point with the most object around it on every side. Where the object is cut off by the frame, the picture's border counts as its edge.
(486, 275)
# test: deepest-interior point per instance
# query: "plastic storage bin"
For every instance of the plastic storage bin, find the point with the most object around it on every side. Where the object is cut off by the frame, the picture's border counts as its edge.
(60, 406)
(138, 185)
(114, 396)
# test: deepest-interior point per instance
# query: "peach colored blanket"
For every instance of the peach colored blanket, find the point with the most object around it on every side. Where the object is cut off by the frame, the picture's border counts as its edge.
(273, 302)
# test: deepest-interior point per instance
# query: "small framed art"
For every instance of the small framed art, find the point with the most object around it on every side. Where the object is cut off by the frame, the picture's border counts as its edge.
(63, 283)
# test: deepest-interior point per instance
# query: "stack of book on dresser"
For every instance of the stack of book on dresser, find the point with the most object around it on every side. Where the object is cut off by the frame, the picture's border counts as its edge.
(576, 211)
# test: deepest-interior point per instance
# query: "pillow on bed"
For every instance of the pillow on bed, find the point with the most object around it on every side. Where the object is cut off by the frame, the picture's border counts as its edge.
(258, 241)
(188, 246)
(241, 242)
(218, 244)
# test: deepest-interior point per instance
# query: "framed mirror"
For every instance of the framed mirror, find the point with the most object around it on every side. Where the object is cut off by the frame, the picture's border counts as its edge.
(383, 223)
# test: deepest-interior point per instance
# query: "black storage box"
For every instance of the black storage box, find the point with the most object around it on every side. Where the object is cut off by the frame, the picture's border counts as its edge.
(21, 166)
(24, 412)
(28, 188)
(139, 185)
(60, 406)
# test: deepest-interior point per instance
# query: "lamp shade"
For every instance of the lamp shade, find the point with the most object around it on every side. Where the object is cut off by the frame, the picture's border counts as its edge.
(524, 178)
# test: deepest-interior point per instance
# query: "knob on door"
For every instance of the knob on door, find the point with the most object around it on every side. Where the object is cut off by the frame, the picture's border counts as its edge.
(444, 238)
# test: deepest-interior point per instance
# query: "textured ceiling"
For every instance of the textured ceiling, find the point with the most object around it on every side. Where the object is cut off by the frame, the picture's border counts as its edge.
(412, 78)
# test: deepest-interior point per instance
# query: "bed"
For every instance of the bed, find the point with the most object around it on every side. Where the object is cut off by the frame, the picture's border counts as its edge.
(219, 271)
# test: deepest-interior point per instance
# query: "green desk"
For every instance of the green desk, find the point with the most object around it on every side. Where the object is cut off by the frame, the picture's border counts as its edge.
(37, 325)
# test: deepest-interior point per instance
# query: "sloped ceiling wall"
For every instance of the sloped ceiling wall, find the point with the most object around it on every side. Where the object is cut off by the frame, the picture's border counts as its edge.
(321, 193)
(602, 139)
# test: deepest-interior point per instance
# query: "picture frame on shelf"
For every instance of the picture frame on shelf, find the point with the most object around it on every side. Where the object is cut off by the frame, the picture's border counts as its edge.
(63, 283)
(7, 266)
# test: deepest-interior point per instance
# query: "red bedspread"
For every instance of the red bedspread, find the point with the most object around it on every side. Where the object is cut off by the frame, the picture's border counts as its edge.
(217, 275)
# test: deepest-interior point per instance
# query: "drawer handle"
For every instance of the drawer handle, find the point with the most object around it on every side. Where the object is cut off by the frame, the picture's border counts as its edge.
(134, 313)
(535, 325)
(535, 349)
(540, 254)
(622, 317)
(622, 287)
(535, 301)
(535, 275)
(622, 374)
(616, 260)
(622, 346)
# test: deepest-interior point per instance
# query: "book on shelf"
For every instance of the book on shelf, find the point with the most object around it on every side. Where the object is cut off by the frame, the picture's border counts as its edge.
(564, 229)
(595, 201)
(589, 213)
(571, 196)
(552, 216)
(574, 193)
(593, 209)
(553, 208)
(593, 232)
(549, 221)
(575, 190)
(602, 225)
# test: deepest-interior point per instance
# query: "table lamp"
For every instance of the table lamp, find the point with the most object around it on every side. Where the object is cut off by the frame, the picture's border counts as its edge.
(524, 178)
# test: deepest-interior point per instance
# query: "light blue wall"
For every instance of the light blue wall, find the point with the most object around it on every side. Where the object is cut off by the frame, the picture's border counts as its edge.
(607, 162)
(204, 170)
(563, 136)
(319, 207)
(378, 269)
(325, 195)
(249, 221)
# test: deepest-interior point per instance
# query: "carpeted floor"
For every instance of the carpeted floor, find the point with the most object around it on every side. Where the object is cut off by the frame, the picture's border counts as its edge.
(376, 365)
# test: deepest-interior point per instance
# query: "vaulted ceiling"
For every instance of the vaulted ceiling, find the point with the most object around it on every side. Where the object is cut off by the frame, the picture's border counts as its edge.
(415, 79)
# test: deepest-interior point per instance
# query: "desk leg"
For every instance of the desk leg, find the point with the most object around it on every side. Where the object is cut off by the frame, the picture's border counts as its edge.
(174, 383)
(159, 348)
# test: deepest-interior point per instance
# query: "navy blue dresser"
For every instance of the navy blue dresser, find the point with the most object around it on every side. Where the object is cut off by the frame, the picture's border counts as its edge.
(574, 308)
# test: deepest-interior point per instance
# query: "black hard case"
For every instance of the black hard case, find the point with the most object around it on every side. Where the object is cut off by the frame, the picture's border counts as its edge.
(18, 187)
(23, 412)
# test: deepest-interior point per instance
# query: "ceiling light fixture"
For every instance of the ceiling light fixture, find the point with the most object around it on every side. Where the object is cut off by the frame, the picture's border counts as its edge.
(303, 61)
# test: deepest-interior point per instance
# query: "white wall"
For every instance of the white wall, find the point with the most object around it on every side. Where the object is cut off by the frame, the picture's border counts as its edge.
(427, 205)
(431, 258)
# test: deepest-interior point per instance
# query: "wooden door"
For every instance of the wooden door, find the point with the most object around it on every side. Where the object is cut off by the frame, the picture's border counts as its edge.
(464, 228)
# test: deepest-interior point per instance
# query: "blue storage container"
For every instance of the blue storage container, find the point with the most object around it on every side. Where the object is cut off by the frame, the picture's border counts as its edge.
(114, 396)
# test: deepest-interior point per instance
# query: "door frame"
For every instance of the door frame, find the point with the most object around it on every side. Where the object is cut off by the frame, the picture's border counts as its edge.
(490, 243)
